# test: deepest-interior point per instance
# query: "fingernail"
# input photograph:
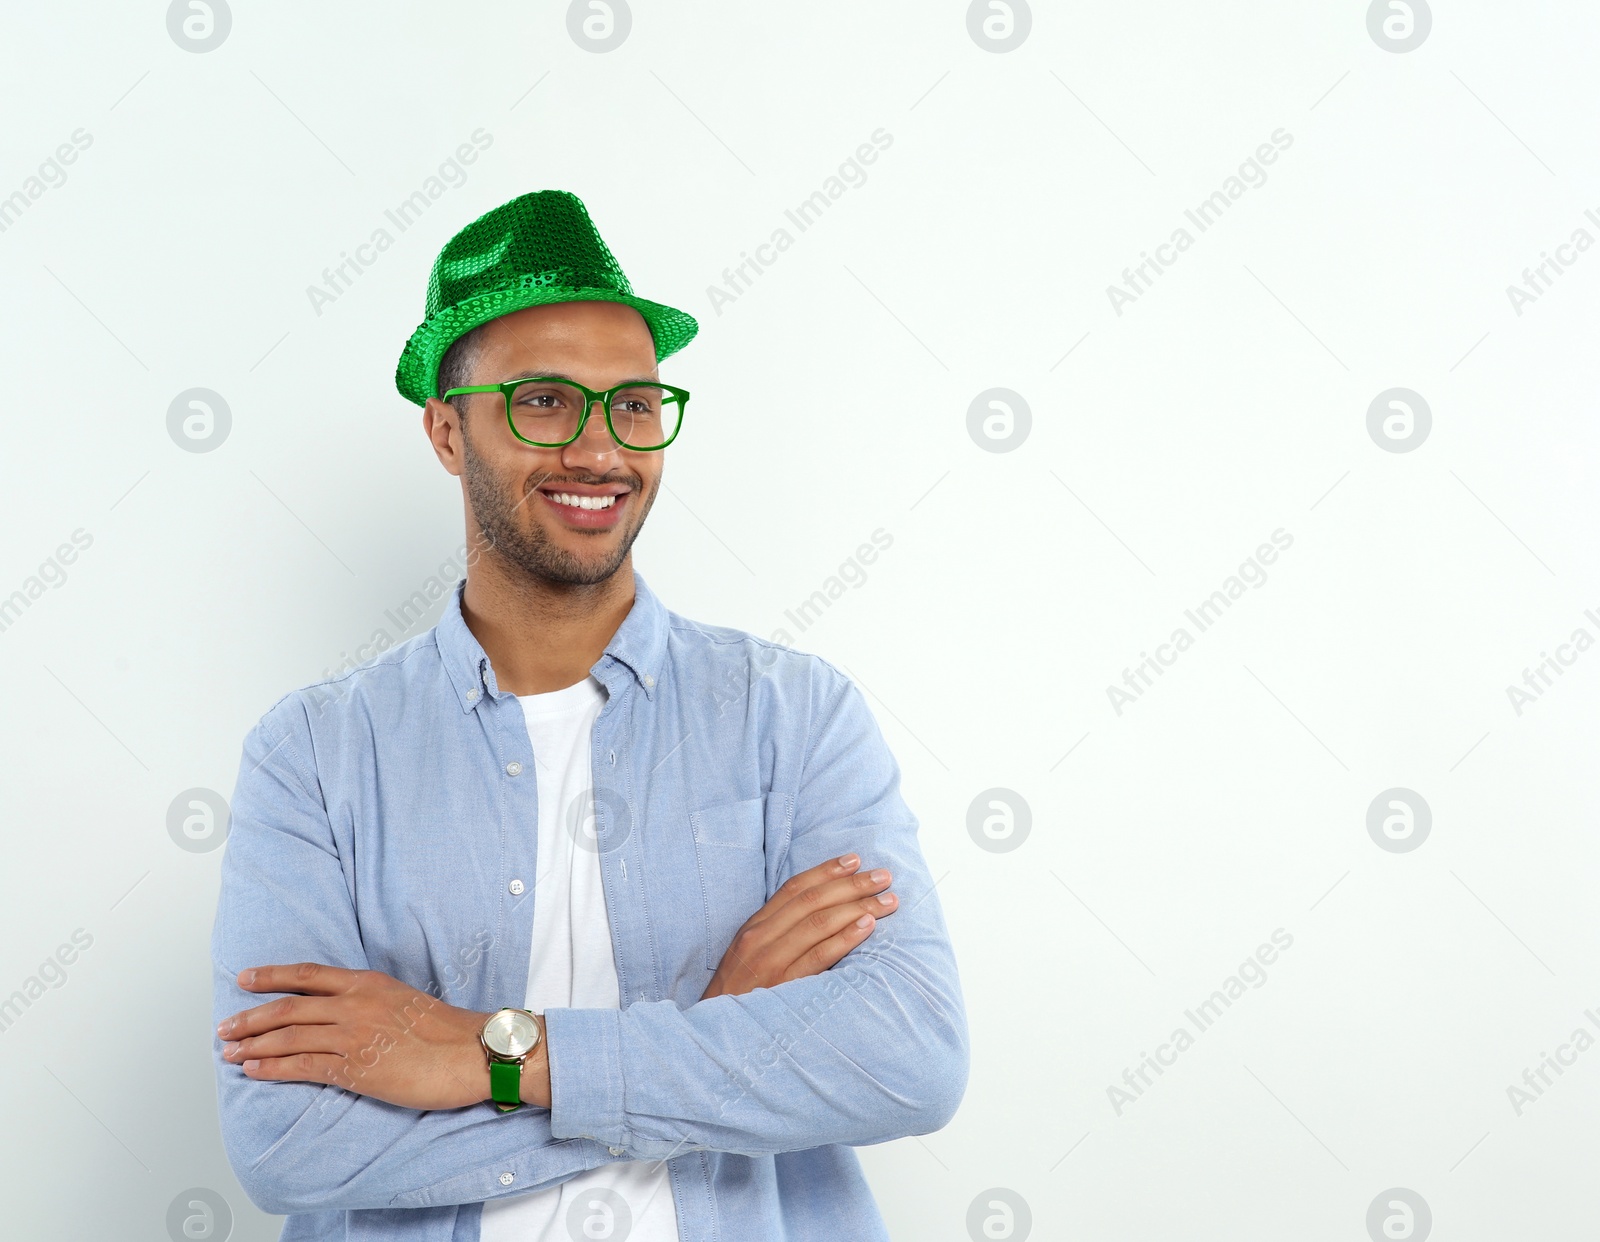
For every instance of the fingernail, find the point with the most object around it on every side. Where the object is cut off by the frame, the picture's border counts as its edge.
(864, 921)
(849, 860)
(228, 1049)
(886, 899)
(880, 876)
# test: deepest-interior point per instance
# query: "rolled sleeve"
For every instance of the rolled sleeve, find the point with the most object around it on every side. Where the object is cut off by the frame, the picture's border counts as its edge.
(586, 1087)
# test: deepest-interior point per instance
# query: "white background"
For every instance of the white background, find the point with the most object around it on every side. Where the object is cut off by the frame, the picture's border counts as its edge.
(832, 399)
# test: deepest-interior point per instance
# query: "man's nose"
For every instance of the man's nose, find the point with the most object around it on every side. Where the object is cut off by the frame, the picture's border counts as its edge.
(595, 438)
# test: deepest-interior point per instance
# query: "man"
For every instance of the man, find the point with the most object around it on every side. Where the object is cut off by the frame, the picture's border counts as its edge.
(576, 912)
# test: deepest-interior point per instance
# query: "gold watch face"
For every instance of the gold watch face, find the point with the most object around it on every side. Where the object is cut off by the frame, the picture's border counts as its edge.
(510, 1033)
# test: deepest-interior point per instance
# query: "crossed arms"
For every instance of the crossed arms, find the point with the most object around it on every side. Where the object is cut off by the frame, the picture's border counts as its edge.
(367, 1032)
(364, 1092)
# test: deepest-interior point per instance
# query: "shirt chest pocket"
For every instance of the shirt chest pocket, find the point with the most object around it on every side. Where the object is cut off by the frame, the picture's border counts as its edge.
(730, 852)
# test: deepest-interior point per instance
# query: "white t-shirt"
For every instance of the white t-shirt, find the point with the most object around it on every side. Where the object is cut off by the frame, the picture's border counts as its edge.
(572, 966)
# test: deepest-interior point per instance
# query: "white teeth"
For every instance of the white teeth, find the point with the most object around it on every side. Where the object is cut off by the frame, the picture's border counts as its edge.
(582, 502)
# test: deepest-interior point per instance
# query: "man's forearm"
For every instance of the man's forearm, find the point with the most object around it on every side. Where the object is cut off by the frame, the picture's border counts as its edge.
(855, 1055)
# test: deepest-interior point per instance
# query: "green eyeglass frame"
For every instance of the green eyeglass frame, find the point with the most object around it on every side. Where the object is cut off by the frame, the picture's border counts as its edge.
(590, 396)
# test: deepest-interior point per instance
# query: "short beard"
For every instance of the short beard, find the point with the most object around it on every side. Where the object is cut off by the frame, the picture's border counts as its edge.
(530, 550)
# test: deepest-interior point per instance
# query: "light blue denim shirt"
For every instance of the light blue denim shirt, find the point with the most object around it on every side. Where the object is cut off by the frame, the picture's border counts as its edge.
(381, 821)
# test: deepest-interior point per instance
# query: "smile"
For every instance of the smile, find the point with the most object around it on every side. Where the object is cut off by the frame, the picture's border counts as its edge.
(582, 502)
(599, 510)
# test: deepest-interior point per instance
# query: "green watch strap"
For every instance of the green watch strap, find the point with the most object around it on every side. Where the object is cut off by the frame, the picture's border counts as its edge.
(505, 1085)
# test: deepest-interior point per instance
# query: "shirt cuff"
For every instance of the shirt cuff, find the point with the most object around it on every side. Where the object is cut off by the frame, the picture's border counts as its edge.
(584, 1048)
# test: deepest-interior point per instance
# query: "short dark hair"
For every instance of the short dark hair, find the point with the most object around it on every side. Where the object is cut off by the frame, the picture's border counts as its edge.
(455, 368)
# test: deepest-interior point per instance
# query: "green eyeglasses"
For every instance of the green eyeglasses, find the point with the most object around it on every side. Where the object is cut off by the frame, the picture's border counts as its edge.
(549, 411)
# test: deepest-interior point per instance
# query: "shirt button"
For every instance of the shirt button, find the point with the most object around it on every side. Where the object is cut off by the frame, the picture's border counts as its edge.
(507, 1178)
(516, 888)
(648, 680)
(472, 696)
(615, 1151)
(513, 768)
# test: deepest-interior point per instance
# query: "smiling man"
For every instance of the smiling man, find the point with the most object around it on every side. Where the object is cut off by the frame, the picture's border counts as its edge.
(571, 918)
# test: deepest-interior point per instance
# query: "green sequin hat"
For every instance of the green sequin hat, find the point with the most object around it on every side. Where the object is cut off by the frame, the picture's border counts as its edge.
(538, 248)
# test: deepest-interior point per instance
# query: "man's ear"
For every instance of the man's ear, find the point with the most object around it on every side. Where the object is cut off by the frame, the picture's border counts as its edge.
(441, 422)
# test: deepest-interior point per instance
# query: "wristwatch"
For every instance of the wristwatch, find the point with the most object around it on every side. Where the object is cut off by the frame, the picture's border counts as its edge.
(508, 1037)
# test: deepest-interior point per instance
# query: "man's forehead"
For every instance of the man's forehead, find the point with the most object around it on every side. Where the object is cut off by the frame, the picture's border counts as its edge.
(568, 342)
(610, 321)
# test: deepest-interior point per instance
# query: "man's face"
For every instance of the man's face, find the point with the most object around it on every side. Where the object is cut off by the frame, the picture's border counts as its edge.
(510, 486)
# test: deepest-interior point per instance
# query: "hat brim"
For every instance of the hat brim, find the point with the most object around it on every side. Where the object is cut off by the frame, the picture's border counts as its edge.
(417, 375)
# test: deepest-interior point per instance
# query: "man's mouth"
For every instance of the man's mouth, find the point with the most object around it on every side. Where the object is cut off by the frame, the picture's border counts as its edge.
(588, 507)
(577, 501)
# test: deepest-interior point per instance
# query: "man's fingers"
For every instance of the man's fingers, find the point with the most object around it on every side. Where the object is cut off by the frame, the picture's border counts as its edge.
(797, 946)
(286, 1041)
(843, 891)
(285, 1011)
(833, 869)
(826, 953)
(303, 1067)
(824, 924)
(809, 908)
(312, 978)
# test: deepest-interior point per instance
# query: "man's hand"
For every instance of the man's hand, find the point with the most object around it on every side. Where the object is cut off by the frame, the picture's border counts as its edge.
(369, 1033)
(809, 924)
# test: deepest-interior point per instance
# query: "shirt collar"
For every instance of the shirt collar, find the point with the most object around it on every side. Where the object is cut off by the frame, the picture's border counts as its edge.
(637, 649)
